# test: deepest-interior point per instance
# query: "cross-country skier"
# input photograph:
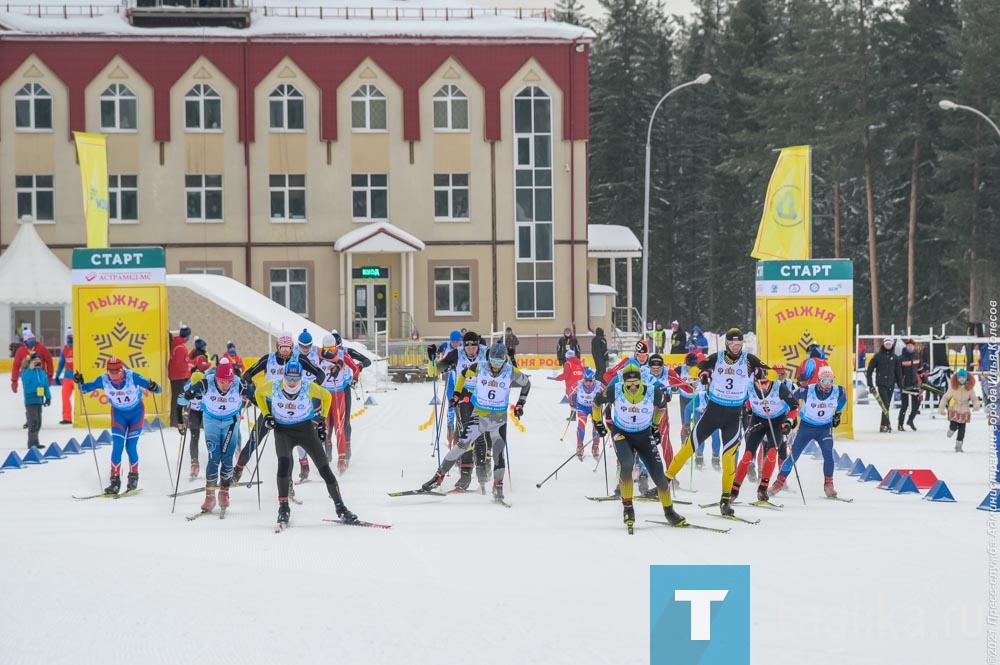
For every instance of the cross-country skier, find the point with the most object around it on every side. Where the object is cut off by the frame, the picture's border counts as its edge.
(482, 395)
(194, 412)
(341, 371)
(571, 374)
(822, 403)
(774, 412)
(636, 407)
(455, 362)
(221, 403)
(583, 399)
(287, 407)
(727, 376)
(641, 357)
(123, 388)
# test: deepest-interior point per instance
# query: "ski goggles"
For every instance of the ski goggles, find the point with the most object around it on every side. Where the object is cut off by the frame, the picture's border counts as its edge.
(826, 382)
(632, 382)
(497, 362)
(468, 344)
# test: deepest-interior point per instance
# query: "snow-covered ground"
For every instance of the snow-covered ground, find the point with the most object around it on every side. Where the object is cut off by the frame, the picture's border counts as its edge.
(555, 579)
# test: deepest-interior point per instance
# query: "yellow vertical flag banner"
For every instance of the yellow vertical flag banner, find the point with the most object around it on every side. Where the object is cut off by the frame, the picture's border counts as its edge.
(785, 231)
(91, 151)
(801, 303)
(120, 311)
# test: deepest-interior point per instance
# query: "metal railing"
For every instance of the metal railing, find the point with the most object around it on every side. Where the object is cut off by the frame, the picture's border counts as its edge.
(308, 11)
(627, 319)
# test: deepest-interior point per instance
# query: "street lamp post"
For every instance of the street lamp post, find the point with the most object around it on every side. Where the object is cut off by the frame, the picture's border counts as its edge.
(949, 105)
(701, 80)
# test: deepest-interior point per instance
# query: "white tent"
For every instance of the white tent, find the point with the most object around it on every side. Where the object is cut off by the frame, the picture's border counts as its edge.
(36, 288)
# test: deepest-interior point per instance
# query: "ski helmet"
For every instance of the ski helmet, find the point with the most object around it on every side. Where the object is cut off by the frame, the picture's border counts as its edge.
(329, 341)
(497, 355)
(589, 374)
(734, 335)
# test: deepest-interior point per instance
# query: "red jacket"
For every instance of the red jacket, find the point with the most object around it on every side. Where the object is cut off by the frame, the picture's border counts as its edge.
(179, 367)
(572, 374)
(19, 357)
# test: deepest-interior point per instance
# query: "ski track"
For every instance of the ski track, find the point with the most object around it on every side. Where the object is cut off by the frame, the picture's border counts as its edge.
(113, 582)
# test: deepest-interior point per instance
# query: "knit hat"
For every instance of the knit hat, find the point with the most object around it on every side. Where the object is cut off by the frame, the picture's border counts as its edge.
(28, 336)
(571, 353)
(184, 332)
(470, 336)
(631, 370)
(455, 336)
(305, 338)
(199, 343)
(734, 335)
(641, 346)
(337, 339)
(825, 372)
(69, 331)
(674, 323)
(656, 360)
(230, 345)
(224, 372)
(589, 374)
(888, 340)
(293, 371)
(285, 339)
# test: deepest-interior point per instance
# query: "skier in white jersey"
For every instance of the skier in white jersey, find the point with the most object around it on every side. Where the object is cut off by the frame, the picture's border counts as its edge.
(482, 395)
(727, 376)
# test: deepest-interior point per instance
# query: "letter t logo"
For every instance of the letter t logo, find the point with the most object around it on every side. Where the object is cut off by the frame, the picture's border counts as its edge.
(701, 609)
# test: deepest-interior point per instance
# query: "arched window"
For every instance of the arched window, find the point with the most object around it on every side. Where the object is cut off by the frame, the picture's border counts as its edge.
(368, 110)
(287, 106)
(32, 107)
(203, 109)
(118, 108)
(451, 109)
(533, 241)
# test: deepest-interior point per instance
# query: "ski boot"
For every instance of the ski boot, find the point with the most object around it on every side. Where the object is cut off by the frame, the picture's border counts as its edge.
(725, 505)
(643, 483)
(950, 433)
(828, 488)
(434, 482)
(672, 516)
(699, 461)
(762, 494)
(464, 480)
(284, 514)
(224, 497)
(735, 492)
(652, 493)
(195, 469)
(345, 515)
(579, 451)
(303, 470)
(497, 491)
(884, 428)
(115, 486)
(628, 513)
(209, 504)
(237, 472)
(777, 485)
(133, 481)
(716, 463)
(752, 475)
(342, 464)
(958, 446)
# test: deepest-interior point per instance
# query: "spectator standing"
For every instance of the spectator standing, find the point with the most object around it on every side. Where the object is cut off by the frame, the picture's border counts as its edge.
(909, 393)
(698, 337)
(36, 395)
(511, 341)
(659, 338)
(178, 371)
(599, 350)
(64, 377)
(678, 338)
(234, 359)
(888, 374)
(565, 343)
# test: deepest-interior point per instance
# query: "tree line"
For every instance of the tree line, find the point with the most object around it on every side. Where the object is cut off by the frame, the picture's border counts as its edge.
(909, 192)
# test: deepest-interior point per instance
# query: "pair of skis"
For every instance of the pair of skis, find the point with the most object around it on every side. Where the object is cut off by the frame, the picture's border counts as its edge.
(282, 526)
(499, 502)
(612, 497)
(123, 495)
(196, 490)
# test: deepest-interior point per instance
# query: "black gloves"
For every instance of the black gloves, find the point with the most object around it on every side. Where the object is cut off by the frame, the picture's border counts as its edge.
(154, 387)
(321, 430)
(268, 422)
(78, 378)
(656, 436)
(519, 409)
(786, 427)
(47, 402)
(836, 420)
(431, 351)
(453, 402)
(189, 394)
(705, 378)
(600, 428)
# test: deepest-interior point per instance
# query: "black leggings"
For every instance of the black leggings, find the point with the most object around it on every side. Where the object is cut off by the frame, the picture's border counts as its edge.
(957, 427)
(286, 437)
(759, 430)
(911, 401)
(194, 429)
(628, 446)
(885, 393)
(176, 410)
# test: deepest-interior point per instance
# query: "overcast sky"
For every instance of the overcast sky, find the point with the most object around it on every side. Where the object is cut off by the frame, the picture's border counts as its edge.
(591, 7)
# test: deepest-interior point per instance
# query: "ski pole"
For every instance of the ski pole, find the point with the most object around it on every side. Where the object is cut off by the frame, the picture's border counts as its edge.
(797, 479)
(506, 452)
(163, 441)
(257, 451)
(568, 459)
(93, 446)
(177, 483)
(607, 489)
(566, 429)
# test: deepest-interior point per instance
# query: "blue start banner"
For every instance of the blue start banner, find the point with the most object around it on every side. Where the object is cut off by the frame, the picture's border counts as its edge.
(699, 615)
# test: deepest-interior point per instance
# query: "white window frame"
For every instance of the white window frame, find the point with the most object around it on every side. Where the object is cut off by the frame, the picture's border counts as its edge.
(287, 285)
(286, 189)
(451, 281)
(203, 190)
(32, 93)
(205, 271)
(531, 261)
(122, 99)
(115, 191)
(366, 96)
(35, 190)
(450, 188)
(285, 95)
(368, 188)
(446, 97)
(202, 94)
